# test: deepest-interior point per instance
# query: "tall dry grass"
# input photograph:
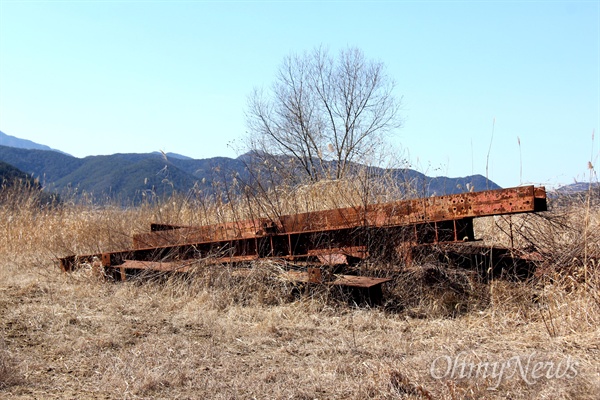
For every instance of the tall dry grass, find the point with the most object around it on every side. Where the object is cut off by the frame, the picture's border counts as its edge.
(219, 333)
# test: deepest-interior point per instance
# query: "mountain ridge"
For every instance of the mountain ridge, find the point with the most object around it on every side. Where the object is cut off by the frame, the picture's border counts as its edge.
(131, 176)
(13, 141)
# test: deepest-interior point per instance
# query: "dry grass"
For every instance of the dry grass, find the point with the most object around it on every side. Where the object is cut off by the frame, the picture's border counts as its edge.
(218, 334)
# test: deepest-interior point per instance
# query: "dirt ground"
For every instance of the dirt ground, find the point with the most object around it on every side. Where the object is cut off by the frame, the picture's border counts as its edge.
(218, 336)
(73, 337)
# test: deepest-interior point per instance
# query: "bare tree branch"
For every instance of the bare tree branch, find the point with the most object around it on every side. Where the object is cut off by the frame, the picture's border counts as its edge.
(326, 113)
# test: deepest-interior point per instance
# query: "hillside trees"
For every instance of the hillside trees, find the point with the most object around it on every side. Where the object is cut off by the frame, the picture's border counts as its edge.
(18, 188)
(323, 114)
(9, 174)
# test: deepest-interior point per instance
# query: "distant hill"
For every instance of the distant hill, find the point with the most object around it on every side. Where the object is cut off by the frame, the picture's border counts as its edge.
(578, 187)
(13, 178)
(125, 177)
(173, 155)
(47, 166)
(12, 141)
(578, 193)
(10, 174)
(131, 177)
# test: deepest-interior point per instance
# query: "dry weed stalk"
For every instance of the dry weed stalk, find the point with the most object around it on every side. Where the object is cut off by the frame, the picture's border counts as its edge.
(217, 333)
(9, 374)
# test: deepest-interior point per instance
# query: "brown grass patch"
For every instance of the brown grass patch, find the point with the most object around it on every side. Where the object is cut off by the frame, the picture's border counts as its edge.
(217, 334)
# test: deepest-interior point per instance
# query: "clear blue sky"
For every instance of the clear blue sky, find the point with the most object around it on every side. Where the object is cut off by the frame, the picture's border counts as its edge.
(103, 77)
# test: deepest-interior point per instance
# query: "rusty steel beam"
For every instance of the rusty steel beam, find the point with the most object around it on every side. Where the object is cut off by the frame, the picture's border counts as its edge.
(312, 276)
(408, 212)
(362, 288)
(423, 210)
(331, 236)
(168, 235)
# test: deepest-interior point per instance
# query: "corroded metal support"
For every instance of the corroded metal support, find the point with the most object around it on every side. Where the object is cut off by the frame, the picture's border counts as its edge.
(447, 217)
(330, 237)
(363, 289)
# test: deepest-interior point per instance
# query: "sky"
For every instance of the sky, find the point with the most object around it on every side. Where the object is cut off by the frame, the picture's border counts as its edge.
(505, 89)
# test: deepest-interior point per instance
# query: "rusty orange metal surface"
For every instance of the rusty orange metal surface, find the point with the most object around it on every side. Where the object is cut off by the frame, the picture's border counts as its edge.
(420, 211)
(335, 236)
(337, 280)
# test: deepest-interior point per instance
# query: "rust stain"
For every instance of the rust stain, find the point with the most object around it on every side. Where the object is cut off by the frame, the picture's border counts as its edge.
(330, 237)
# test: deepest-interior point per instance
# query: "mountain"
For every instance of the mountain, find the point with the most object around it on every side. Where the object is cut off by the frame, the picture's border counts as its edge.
(173, 155)
(47, 166)
(129, 178)
(10, 174)
(578, 187)
(12, 177)
(12, 141)
(125, 177)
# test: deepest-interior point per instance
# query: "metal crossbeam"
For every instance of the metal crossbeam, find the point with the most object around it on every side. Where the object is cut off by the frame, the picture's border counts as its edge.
(329, 237)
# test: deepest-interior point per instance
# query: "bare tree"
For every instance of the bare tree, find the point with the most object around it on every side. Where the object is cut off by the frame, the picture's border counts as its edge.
(323, 114)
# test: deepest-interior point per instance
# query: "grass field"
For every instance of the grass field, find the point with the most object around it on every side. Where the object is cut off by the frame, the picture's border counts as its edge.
(216, 335)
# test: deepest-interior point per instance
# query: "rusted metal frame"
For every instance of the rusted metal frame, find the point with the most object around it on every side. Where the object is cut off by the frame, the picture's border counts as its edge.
(488, 261)
(518, 199)
(329, 247)
(131, 267)
(315, 276)
(240, 250)
(67, 263)
(175, 266)
(164, 234)
(442, 231)
(155, 227)
(379, 216)
(427, 210)
(362, 289)
(353, 251)
(333, 248)
(455, 231)
(156, 266)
